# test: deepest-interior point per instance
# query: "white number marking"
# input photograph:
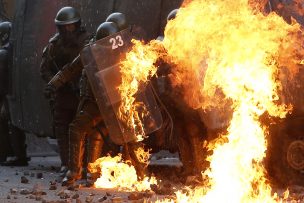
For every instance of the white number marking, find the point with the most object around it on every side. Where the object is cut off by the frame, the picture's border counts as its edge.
(116, 42)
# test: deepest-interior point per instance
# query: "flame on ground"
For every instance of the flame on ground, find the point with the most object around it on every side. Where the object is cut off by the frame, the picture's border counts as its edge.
(115, 173)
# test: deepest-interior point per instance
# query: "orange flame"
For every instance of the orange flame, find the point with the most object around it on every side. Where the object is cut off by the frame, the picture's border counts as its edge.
(117, 174)
(240, 53)
(136, 69)
(224, 53)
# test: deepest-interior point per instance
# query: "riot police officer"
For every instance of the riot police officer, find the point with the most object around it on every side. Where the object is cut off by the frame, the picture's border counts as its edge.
(12, 138)
(62, 48)
(88, 118)
(4, 132)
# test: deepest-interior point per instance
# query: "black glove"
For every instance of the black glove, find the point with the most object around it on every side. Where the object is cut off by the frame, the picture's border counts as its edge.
(49, 91)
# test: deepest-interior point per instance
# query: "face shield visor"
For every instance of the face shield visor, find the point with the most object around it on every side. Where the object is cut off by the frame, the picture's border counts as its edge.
(69, 32)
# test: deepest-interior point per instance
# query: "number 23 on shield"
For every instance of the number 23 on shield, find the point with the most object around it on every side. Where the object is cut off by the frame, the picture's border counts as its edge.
(116, 42)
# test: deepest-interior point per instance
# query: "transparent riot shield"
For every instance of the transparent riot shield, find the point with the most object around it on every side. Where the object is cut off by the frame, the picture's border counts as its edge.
(101, 62)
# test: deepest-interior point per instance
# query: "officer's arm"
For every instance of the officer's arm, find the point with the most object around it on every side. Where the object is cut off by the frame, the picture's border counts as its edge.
(45, 66)
(69, 73)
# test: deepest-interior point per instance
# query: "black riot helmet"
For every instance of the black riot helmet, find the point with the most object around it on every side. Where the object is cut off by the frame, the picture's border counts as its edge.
(5, 30)
(119, 19)
(172, 14)
(67, 15)
(106, 29)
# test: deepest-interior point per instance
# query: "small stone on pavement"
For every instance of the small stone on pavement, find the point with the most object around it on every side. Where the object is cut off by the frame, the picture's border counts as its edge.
(75, 196)
(13, 190)
(89, 199)
(39, 175)
(24, 191)
(26, 173)
(24, 179)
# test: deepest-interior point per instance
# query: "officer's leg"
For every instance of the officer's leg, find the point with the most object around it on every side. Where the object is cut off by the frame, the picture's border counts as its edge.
(5, 147)
(17, 138)
(85, 119)
(131, 154)
(77, 134)
(94, 149)
(109, 147)
(84, 160)
(62, 119)
(62, 139)
(95, 146)
(184, 149)
(17, 142)
(95, 142)
(63, 145)
(196, 137)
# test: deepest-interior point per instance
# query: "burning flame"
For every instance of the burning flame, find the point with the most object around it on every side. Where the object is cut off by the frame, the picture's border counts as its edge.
(223, 52)
(242, 52)
(143, 155)
(117, 174)
(136, 70)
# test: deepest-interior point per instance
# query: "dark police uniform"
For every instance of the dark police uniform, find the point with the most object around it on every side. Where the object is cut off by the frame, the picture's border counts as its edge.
(58, 53)
(12, 138)
(88, 118)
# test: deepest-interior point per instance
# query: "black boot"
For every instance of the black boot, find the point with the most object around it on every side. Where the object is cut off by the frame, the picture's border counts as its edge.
(17, 139)
(63, 170)
(16, 162)
(70, 178)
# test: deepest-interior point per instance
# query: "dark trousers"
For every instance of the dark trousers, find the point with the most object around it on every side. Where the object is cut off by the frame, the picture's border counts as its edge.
(5, 146)
(12, 138)
(84, 125)
(64, 108)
